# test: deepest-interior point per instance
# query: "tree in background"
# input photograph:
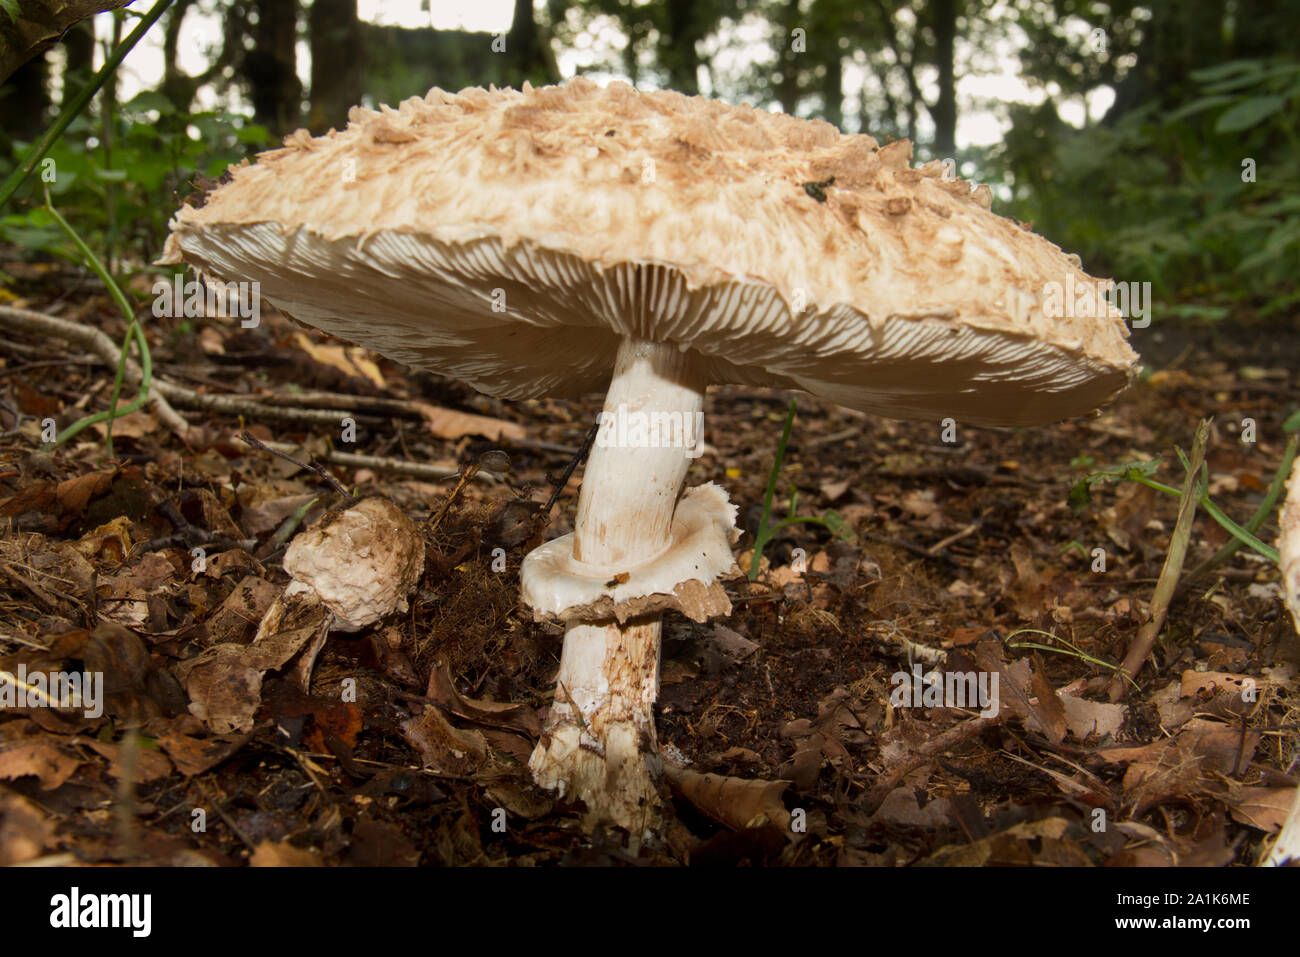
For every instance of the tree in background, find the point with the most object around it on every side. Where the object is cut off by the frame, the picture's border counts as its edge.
(337, 58)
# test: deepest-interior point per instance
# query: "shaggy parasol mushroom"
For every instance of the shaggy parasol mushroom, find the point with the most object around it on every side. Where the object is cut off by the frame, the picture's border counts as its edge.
(1287, 846)
(533, 243)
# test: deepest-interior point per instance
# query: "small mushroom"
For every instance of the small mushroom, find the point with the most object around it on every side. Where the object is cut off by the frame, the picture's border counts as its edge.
(1287, 846)
(503, 238)
(360, 562)
(350, 570)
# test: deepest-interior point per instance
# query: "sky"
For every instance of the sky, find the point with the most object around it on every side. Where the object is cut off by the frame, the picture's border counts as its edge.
(976, 126)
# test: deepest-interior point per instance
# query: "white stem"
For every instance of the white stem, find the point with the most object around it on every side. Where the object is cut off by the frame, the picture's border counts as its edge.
(634, 475)
(599, 741)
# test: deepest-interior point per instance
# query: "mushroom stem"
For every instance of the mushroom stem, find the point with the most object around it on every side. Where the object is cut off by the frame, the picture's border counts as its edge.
(599, 741)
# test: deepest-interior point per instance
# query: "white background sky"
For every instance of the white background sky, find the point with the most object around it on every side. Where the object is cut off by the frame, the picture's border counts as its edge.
(975, 126)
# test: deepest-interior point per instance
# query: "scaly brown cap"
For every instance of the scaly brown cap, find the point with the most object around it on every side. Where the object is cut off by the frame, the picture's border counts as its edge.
(510, 239)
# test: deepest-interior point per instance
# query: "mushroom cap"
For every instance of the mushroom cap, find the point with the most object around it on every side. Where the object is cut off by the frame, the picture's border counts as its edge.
(361, 562)
(1288, 545)
(510, 239)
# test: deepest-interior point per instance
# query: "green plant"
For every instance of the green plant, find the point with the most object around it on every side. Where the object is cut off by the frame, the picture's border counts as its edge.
(1142, 472)
(156, 150)
(767, 529)
(1073, 652)
(1200, 200)
(133, 334)
(36, 152)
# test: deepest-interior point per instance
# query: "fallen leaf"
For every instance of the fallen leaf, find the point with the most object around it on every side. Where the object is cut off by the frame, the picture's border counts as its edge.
(443, 748)
(224, 689)
(1262, 808)
(736, 803)
(25, 830)
(1085, 718)
(193, 755)
(492, 713)
(23, 754)
(350, 360)
(450, 424)
(282, 854)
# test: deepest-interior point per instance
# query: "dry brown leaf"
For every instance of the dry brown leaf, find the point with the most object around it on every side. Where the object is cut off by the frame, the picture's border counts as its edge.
(900, 807)
(737, 803)
(224, 689)
(74, 494)
(1012, 847)
(492, 713)
(39, 758)
(443, 748)
(25, 830)
(150, 764)
(110, 543)
(193, 755)
(350, 360)
(132, 426)
(450, 424)
(1262, 808)
(282, 854)
(1085, 718)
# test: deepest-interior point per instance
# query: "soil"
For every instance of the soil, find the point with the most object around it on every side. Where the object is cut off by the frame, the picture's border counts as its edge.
(958, 550)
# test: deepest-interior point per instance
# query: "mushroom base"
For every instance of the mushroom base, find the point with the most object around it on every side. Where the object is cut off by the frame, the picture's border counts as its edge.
(599, 743)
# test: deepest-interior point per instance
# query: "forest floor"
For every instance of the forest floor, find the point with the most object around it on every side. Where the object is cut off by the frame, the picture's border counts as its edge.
(409, 742)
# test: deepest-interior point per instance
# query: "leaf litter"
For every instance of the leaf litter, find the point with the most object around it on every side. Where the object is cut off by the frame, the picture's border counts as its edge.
(406, 742)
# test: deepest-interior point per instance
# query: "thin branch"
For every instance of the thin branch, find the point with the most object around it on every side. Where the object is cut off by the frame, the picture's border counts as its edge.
(1169, 574)
(249, 439)
(102, 346)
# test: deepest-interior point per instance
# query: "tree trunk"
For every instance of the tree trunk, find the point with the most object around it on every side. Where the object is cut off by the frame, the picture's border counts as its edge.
(787, 89)
(529, 48)
(678, 48)
(833, 92)
(336, 62)
(24, 102)
(944, 112)
(270, 68)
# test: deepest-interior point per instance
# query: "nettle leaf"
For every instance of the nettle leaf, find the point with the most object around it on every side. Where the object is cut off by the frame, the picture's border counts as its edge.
(1080, 496)
(253, 133)
(836, 525)
(149, 100)
(1223, 70)
(1198, 106)
(1249, 113)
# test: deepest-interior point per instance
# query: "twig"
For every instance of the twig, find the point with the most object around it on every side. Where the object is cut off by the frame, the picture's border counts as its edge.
(436, 473)
(492, 457)
(871, 801)
(939, 546)
(103, 347)
(249, 439)
(833, 437)
(1173, 566)
(165, 394)
(562, 482)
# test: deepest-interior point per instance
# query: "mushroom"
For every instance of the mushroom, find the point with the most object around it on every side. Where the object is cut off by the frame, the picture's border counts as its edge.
(552, 241)
(1287, 846)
